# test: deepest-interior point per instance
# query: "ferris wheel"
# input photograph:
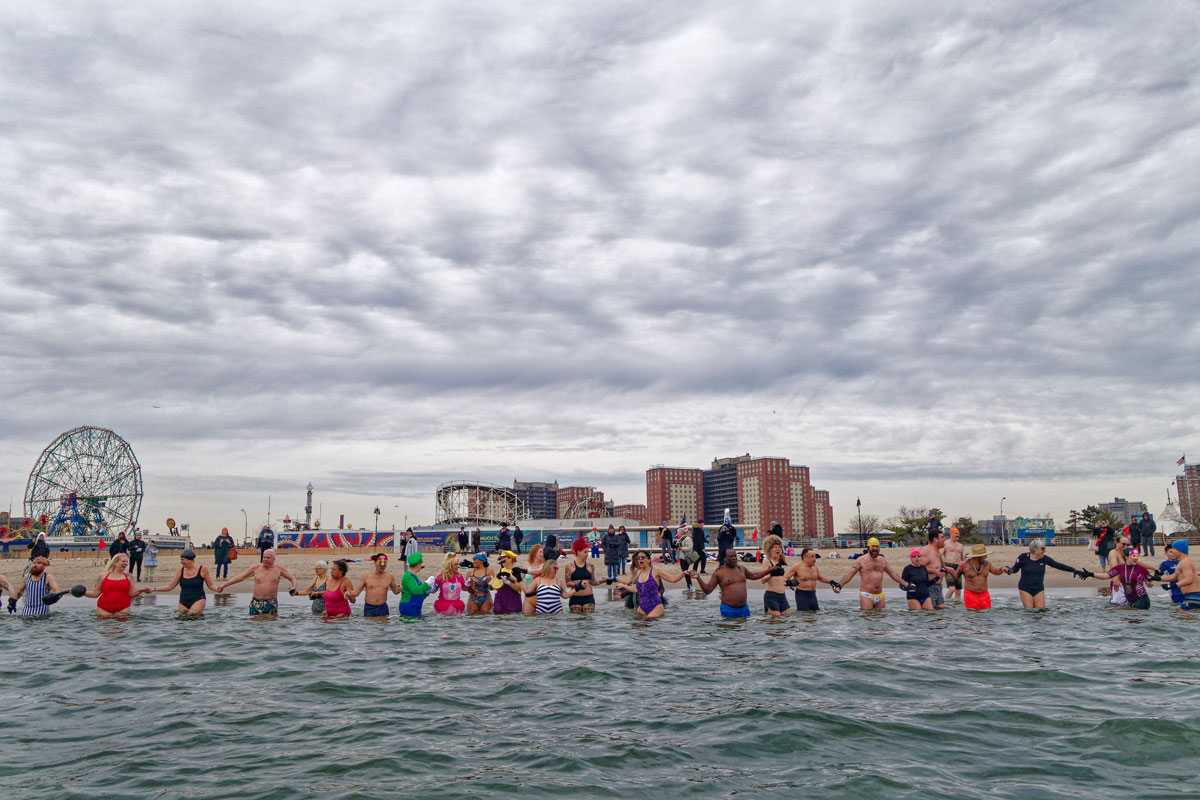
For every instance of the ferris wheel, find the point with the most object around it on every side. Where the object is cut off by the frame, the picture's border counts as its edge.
(88, 481)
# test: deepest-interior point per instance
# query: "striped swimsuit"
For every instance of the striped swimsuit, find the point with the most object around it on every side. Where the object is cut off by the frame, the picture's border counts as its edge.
(549, 599)
(32, 605)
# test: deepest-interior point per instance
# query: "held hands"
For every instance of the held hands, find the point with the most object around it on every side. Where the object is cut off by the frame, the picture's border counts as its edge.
(12, 605)
(837, 587)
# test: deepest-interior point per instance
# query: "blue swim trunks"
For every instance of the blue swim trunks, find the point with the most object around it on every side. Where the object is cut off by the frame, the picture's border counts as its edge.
(729, 612)
(1191, 602)
(372, 610)
(411, 607)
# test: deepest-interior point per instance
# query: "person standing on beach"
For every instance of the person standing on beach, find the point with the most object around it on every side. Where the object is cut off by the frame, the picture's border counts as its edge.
(40, 547)
(612, 554)
(933, 523)
(151, 560)
(137, 551)
(503, 538)
(952, 557)
(518, 535)
(731, 577)
(221, 550)
(1184, 577)
(477, 541)
(377, 583)
(267, 575)
(870, 568)
(266, 541)
(1104, 542)
(803, 577)
(699, 543)
(931, 559)
(118, 545)
(728, 534)
(1146, 534)
(411, 545)
(464, 539)
(667, 542)
(975, 571)
(623, 538)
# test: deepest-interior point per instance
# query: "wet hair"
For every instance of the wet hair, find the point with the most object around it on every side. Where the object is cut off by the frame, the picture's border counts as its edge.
(342, 566)
(449, 566)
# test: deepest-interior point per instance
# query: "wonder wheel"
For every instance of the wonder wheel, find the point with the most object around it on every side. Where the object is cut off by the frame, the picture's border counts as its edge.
(88, 481)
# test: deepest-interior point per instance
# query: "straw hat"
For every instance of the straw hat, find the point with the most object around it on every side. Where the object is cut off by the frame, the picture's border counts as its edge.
(979, 551)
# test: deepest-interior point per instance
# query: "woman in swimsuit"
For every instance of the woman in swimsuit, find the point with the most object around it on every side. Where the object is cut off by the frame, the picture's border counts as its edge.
(1032, 566)
(532, 570)
(645, 580)
(479, 584)
(338, 592)
(191, 578)
(549, 590)
(316, 587)
(114, 590)
(449, 585)
(582, 580)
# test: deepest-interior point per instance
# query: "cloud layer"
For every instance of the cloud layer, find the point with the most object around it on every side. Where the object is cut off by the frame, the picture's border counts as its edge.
(379, 248)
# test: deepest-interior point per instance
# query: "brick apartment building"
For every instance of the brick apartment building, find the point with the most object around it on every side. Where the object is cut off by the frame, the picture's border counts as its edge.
(674, 493)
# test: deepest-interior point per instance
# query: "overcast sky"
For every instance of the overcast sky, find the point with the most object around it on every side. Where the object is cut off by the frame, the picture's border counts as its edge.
(940, 257)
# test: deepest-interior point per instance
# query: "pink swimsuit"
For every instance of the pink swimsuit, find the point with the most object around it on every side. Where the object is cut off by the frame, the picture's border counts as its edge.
(336, 604)
(448, 600)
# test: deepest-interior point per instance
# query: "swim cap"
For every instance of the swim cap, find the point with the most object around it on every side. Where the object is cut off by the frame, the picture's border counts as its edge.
(872, 542)
(190, 555)
(414, 559)
(1181, 545)
(480, 557)
(914, 552)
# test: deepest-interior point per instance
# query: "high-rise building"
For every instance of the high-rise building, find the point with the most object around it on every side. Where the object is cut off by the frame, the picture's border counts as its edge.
(568, 496)
(721, 489)
(1124, 510)
(822, 513)
(674, 493)
(1187, 487)
(631, 511)
(772, 490)
(541, 499)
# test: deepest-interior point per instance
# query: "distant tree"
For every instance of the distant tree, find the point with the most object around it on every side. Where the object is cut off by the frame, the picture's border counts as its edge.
(908, 523)
(869, 525)
(967, 528)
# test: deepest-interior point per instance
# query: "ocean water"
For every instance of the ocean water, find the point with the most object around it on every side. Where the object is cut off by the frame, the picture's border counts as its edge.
(1080, 700)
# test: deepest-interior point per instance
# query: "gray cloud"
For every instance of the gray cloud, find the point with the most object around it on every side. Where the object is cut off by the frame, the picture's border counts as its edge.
(895, 243)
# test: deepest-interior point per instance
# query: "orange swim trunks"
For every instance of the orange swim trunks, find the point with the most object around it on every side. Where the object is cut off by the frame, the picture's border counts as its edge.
(977, 600)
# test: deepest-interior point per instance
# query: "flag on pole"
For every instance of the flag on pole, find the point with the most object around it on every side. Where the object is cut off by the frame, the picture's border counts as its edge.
(1179, 463)
(859, 503)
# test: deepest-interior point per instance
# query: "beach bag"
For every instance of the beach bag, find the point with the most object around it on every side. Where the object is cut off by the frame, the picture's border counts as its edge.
(233, 554)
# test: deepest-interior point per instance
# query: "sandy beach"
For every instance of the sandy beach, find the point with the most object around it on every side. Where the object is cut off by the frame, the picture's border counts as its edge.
(68, 570)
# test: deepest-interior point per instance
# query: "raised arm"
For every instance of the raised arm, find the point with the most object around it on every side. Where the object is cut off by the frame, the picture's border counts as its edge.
(1052, 563)
(661, 573)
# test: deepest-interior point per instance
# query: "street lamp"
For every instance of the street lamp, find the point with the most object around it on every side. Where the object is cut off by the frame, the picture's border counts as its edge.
(245, 527)
(376, 520)
(1003, 529)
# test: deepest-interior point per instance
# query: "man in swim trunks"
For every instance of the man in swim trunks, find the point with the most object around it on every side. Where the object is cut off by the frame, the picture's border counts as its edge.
(931, 559)
(267, 574)
(377, 583)
(870, 568)
(803, 577)
(732, 577)
(1185, 577)
(975, 571)
(952, 557)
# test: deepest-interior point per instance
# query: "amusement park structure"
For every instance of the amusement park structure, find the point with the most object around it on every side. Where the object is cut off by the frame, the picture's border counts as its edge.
(471, 503)
(87, 482)
(589, 505)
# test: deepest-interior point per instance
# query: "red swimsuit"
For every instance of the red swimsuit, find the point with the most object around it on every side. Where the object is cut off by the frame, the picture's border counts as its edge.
(114, 594)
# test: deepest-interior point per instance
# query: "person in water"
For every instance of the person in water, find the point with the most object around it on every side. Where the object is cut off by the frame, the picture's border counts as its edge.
(479, 585)
(114, 590)
(377, 583)
(316, 587)
(449, 585)
(338, 592)
(581, 579)
(1133, 577)
(731, 576)
(870, 567)
(38, 584)
(931, 558)
(975, 572)
(917, 579)
(775, 568)
(803, 577)
(1167, 567)
(1184, 576)
(533, 568)
(413, 590)
(267, 575)
(549, 590)
(644, 578)
(1032, 566)
(191, 578)
(952, 558)
(508, 586)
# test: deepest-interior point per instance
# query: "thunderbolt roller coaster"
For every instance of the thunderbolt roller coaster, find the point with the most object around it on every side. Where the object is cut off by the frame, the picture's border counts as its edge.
(471, 503)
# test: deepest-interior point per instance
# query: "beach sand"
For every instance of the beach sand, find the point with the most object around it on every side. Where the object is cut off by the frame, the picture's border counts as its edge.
(86, 570)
